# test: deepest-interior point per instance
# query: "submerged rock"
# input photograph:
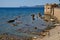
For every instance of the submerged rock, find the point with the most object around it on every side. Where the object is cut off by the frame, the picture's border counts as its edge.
(39, 14)
(10, 21)
(35, 27)
(33, 17)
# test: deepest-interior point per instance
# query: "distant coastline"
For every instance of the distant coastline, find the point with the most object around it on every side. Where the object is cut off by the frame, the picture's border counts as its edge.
(36, 6)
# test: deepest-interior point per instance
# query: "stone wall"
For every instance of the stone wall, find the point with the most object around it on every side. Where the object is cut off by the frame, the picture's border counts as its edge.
(57, 13)
(47, 9)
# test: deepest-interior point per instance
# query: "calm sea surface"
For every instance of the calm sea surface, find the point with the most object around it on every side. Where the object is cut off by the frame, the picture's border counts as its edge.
(24, 20)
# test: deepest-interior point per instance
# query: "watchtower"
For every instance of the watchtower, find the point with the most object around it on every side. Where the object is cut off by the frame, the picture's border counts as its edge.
(48, 9)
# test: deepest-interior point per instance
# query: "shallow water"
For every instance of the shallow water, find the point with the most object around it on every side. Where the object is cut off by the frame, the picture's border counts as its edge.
(24, 20)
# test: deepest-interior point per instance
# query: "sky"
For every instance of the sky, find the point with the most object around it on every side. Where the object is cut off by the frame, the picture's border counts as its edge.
(18, 3)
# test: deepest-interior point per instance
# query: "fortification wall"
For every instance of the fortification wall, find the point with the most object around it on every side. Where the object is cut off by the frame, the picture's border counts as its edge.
(57, 13)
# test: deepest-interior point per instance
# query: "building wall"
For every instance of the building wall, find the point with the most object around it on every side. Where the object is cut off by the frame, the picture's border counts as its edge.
(53, 11)
(57, 13)
(47, 9)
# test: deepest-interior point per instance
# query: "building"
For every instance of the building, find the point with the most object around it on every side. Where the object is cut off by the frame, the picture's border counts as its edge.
(52, 9)
(57, 13)
(47, 9)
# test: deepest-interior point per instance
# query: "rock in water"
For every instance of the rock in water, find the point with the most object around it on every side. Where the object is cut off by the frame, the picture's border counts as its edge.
(11, 21)
(33, 17)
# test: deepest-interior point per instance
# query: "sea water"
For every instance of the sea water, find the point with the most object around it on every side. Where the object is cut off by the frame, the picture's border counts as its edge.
(25, 18)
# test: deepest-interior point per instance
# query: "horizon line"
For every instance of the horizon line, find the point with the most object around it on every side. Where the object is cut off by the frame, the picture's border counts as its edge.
(20, 6)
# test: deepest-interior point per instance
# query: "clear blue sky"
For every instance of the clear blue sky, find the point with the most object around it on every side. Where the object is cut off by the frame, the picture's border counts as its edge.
(17, 3)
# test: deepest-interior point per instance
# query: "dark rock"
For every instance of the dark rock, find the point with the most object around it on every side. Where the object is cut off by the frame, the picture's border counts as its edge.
(35, 28)
(10, 21)
(33, 17)
(39, 14)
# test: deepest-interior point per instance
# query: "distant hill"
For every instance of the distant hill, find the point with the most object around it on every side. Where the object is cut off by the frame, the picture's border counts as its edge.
(39, 6)
(36, 6)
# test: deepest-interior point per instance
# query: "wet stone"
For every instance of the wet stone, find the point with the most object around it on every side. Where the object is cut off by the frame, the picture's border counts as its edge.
(11, 21)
